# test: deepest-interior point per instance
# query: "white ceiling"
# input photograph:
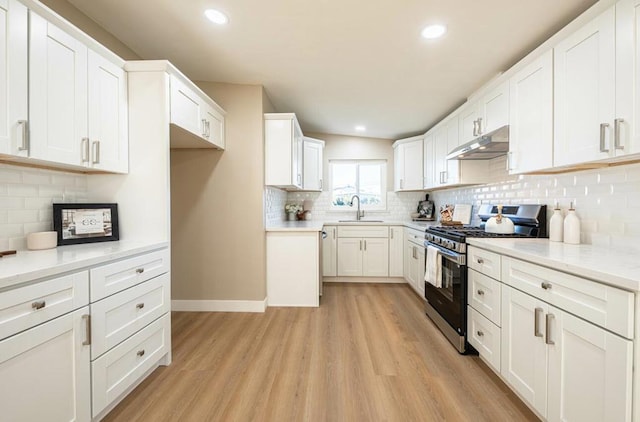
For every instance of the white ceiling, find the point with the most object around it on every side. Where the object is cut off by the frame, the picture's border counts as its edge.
(337, 63)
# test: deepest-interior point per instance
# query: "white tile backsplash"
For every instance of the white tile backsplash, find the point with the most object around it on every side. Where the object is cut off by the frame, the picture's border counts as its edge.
(274, 201)
(399, 206)
(606, 200)
(26, 198)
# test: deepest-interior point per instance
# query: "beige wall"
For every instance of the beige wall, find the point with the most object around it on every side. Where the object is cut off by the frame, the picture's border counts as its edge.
(218, 238)
(86, 24)
(353, 147)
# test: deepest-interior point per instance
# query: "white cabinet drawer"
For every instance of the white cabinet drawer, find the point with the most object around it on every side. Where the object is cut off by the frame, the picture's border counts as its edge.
(485, 337)
(415, 236)
(606, 306)
(484, 295)
(116, 317)
(34, 304)
(485, 262)
(123, 365)
(112, 278)
(363, 231)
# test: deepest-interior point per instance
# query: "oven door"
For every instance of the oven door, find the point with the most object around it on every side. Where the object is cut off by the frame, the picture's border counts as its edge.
(450, 300)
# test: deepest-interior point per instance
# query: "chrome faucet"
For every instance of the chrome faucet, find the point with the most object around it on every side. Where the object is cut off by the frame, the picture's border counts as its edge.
(358, 213)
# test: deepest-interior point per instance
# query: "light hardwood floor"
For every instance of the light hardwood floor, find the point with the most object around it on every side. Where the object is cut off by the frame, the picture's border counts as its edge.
(368, 353)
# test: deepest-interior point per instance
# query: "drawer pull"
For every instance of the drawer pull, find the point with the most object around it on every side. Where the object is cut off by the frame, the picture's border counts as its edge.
(480, 260)
(38, 305)
(547, 339)
(479, 333)
(545, 285)
(87, 340)
(480, 292)
(536, 325)
(140, 306)
(140, 270)
(140, 353)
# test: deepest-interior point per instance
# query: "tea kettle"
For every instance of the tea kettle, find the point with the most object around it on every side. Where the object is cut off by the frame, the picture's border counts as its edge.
(499, 224)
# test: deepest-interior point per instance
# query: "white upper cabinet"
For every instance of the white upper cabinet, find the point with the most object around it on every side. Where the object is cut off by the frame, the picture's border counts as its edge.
(57, 94)
(13, 78)
(429, 173)
(408, 164)
(283, 151)
(487, 114)
(312, 166)
(531, 116)
(108, 128)
(595, 69)
(192, 112)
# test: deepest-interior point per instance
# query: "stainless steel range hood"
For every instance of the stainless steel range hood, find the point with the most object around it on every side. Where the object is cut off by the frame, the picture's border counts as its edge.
(490, 145)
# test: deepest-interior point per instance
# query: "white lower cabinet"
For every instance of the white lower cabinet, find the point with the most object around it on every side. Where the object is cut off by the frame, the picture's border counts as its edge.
(566, 368)
(45, 373)
(396, 251)
(363, 251)
(114, 372)
(329, 252)
(485, 337)
(414, 260)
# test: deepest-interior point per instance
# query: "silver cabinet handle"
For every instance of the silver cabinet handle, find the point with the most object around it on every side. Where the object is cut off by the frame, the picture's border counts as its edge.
(479, 125)
(139, 270)
(401, 184)
(140, 353)
(475, 128)
(87, 340)
(334, 233)
(365, 245)
(208, 129)
(616, 133)
(84, 147)
(24, 142)
(480, 260)
(445, 176)
(480, 333)
(480, 292)
(361, 245)
(509, 155)
(536, 324)
(603, 129)
(95, 149)
(545, 285)
(38, 305)
(415, 253)
(299, 179)
(140, 306)
(391, 232)
(549, 318)
(204, 128)
(320, 184)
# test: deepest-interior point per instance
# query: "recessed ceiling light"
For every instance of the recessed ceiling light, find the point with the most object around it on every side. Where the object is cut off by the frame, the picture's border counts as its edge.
(434, 31)
(216, 16)
(360, 128)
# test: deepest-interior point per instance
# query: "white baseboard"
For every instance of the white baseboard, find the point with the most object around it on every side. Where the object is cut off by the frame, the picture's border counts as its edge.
(219, 305)
(394, 280)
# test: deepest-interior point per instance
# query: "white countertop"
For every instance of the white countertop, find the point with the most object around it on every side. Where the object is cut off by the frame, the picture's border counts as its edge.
(26, 266)
(311, 225)
(617, 268)
(295, 226)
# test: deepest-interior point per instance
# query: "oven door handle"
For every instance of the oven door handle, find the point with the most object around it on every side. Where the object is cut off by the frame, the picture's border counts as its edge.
(450, 255)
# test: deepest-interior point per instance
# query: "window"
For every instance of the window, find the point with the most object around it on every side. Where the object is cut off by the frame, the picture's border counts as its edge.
(365, 178)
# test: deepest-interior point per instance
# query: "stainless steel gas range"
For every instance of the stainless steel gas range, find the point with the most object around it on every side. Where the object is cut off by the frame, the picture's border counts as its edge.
(447, 305)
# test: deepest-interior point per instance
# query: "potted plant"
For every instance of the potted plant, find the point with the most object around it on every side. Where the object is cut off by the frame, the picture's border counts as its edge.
(292, 211)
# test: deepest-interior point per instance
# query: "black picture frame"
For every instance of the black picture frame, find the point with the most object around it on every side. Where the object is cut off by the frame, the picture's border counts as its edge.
(96, 226)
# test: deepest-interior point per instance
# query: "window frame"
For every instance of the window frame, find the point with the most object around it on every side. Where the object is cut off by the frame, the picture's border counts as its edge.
(383, 184)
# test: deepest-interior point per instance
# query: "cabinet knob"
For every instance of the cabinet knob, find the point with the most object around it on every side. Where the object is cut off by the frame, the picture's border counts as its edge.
(38, 305)
(545, 285)
(480, 292)
(480, 260)
(140, 270)
(479, 333)
(140, 306)
(140, 352)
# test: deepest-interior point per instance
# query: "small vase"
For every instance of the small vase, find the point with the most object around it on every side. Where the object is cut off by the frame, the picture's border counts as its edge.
(291, 216)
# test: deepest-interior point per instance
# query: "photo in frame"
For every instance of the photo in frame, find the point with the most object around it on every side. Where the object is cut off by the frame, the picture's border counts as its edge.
(85, 223)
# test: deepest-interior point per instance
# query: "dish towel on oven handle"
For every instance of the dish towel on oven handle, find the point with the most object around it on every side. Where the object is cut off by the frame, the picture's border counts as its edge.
(433, 275)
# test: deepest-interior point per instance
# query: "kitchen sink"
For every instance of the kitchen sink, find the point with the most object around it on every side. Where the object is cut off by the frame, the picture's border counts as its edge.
(360, 221)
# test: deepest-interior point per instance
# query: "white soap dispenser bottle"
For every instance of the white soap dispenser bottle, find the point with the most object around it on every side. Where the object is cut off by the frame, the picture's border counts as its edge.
(572, 227)
(556, 225)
